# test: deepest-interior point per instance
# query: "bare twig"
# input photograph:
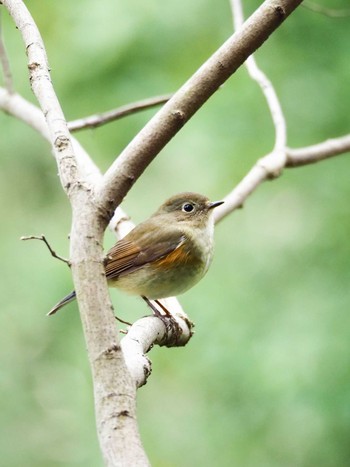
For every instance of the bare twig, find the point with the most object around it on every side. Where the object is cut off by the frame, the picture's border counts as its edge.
(294, 158)
(53, 253)
(235, 200)
(268, 90)
(331, 12)
(94, 121)
(272, 164)
(318, 152)
(281, 157)
(8, 80)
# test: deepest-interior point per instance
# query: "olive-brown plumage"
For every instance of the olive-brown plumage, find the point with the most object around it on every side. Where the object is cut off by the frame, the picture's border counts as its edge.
(166, 254)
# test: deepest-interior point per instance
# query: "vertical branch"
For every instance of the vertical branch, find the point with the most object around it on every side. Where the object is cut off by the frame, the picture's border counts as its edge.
(272, 164)
(266, 86)
(114, 388)
(42, 87)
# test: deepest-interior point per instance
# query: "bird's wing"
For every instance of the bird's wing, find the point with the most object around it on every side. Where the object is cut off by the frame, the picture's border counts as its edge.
(127, 255)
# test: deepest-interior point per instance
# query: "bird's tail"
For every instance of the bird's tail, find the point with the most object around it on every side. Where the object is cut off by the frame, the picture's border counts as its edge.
(69, 298)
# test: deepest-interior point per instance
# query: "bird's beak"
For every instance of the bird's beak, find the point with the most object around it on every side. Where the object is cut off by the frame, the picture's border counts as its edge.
(215, 204)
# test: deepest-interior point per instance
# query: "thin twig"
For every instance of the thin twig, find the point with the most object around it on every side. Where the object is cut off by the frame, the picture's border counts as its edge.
(94, 121)
(294, 158)
(318, 152)
(266, 87)
(281, 157)
(330, 12)
(5, 64)
(273, 163)
(43, 239)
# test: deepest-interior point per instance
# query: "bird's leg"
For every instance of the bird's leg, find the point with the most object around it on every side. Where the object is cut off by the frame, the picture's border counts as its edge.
(154, 308)
(166, 311)
(168, 319)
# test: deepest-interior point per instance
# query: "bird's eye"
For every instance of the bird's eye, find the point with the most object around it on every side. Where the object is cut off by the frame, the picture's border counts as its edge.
(187, 207)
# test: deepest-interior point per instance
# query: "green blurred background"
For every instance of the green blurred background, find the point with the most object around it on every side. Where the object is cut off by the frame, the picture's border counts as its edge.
(265, 380)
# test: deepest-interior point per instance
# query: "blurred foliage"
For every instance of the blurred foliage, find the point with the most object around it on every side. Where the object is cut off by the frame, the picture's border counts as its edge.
(265, 379)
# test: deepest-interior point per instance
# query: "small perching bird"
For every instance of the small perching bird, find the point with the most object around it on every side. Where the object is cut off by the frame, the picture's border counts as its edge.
(166, 254)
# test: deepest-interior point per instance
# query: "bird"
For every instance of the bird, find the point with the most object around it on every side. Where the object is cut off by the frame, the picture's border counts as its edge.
(166, 254)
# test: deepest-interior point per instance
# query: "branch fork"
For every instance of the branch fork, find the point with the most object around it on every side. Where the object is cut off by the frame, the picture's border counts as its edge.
(93, 197)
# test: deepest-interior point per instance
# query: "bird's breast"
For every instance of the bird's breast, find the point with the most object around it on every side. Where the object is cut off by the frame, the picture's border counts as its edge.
(175, 272)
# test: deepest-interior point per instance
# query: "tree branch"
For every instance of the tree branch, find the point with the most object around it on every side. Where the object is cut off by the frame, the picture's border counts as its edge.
(114, 388)
(141, 337)
(266, 87)
(42, 87)
(318, 152)
(120, 224)
(188, 99)
(20, 108)
(44, 239)
(272, 165)
(96, 120)
(261, 171)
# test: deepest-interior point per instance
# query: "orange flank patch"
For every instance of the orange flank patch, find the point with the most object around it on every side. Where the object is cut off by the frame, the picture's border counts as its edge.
(177, 257)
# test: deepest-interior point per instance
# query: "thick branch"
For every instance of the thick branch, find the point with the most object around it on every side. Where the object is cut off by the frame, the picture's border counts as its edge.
(42, 87)
(190, 97)
(149, 332)
(114, 388)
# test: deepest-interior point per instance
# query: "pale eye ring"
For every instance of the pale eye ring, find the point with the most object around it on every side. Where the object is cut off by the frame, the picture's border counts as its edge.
(187, 207)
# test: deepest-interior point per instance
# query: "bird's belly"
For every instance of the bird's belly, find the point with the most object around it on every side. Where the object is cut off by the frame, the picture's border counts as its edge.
(162, 279)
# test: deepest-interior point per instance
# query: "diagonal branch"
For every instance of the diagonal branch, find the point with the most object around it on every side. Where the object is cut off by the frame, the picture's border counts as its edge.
(135, 348)
(114, 388)
(188, 99)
